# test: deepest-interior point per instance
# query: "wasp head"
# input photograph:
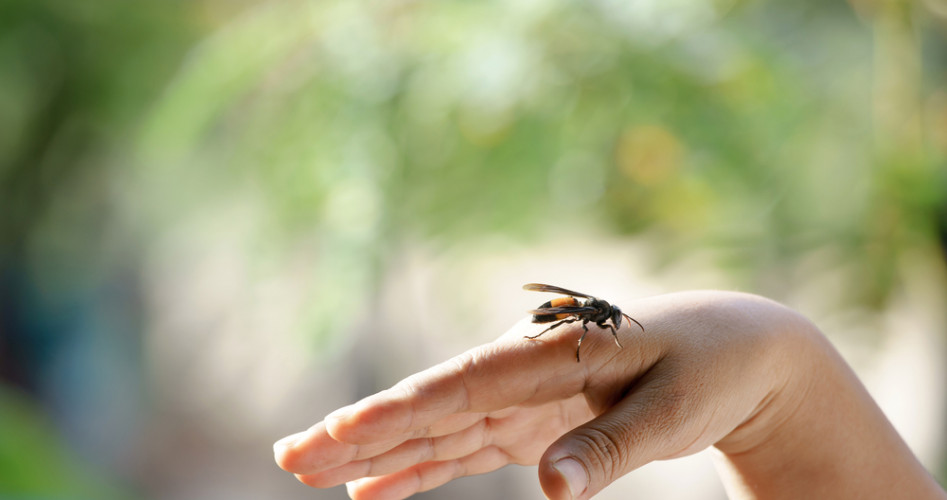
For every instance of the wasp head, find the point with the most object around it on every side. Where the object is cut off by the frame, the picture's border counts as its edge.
(616, 317)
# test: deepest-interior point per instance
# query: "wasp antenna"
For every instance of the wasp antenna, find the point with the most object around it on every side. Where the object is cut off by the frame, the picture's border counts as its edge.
(629, 318)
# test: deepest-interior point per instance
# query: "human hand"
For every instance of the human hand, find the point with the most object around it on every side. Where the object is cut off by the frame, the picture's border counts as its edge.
(711, 368)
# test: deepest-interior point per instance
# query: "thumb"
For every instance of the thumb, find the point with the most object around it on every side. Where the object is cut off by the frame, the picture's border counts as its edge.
(645, 426)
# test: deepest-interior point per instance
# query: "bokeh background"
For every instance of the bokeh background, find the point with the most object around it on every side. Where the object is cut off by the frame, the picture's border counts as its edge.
(220, 220)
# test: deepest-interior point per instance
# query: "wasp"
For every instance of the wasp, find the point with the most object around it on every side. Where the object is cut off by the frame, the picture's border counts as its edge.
(576, 307)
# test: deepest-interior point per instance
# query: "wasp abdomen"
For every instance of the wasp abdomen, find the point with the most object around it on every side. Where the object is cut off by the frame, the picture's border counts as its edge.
(558, 302)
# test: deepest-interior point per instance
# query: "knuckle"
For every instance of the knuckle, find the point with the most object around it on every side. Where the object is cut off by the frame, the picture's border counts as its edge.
(466, 367)
(606, 451)
(472, 364)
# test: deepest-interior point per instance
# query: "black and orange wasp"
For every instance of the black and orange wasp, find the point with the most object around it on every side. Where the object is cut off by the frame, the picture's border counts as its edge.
(576, 307)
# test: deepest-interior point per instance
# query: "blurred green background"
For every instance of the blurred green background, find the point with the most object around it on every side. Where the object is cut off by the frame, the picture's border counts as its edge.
(220, 220)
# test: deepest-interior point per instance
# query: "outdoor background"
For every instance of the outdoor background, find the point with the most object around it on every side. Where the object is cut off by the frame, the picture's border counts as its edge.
(220, 220)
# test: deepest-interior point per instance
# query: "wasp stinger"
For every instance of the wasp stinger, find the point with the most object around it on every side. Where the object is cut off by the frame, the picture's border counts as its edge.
(576, 307)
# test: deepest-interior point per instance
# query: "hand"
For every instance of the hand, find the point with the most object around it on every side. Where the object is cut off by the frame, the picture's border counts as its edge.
(736, 371)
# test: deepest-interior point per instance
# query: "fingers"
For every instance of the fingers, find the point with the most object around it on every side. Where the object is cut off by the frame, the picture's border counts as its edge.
(312, 451)
(522, 433)
(406, 455)
(645, 426)
(426, 476)
(505, 373)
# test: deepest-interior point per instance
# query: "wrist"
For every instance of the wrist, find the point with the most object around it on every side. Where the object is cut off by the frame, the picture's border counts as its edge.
(819, 434)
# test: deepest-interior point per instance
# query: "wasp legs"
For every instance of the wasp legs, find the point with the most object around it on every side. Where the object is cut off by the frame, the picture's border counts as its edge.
(584, 327)
(566, 322)
(600, 325)
(579, 345)
(563, 322)
(614, 332)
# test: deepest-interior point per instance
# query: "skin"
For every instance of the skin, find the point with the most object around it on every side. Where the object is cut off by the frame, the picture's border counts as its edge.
(738, 372)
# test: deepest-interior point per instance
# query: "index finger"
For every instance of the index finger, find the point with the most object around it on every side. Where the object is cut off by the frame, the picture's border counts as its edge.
(507, 372)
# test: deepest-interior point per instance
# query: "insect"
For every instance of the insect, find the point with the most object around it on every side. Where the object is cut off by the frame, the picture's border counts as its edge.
(576, 307)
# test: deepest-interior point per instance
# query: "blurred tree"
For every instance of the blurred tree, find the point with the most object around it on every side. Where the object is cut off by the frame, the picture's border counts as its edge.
(747, 130)
(76, 77)
(29, 450)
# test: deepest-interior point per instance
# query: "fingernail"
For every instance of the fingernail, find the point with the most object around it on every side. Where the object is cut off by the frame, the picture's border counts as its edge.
(574, 474)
